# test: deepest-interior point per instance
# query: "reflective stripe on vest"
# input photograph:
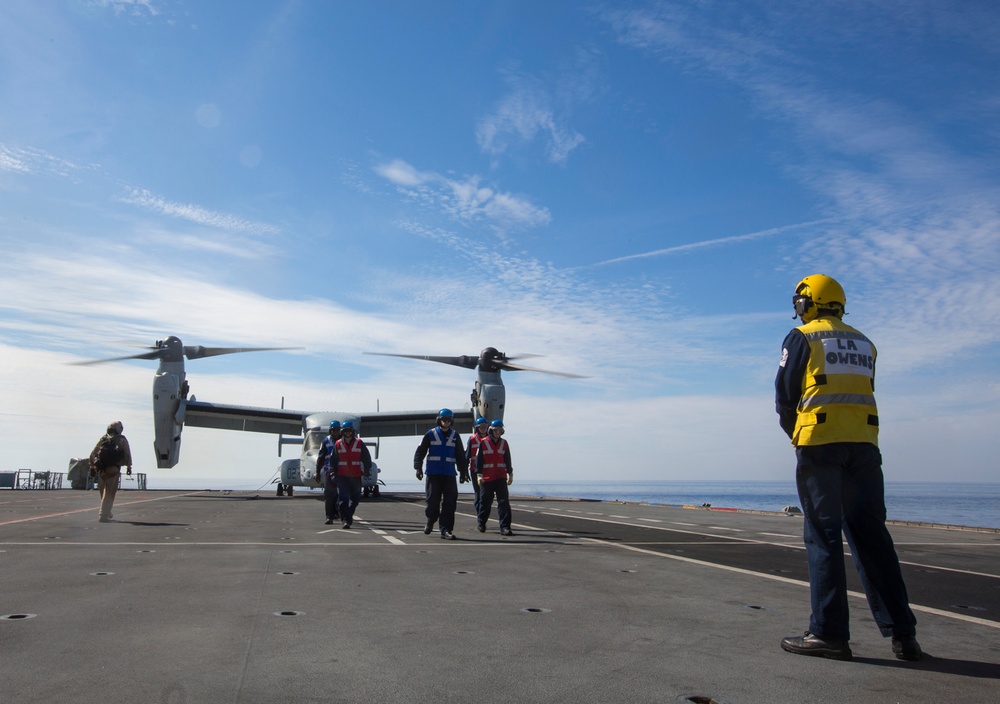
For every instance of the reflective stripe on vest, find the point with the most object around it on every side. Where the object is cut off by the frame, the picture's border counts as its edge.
(474, 442)
(349, 459)
(441, 456)
(494, 462)
(838, 400)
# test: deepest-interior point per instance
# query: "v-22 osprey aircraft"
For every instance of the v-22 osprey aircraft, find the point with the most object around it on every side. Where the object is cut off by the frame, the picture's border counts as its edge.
(173, 409)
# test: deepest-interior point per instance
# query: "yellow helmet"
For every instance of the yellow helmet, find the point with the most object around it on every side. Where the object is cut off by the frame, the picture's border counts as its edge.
(817, 291)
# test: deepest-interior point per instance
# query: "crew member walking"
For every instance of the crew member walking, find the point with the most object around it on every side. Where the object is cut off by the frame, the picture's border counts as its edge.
(328, 472)
(109, 455)
(351, 460)
(442, 447)
(471, 449)
(824, 396)
(496, 474)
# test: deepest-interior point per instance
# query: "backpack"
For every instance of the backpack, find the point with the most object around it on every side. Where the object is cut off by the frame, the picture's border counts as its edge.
(109, 454)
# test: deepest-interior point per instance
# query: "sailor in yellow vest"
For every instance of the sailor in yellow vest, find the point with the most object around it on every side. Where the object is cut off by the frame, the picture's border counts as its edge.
(824, 396)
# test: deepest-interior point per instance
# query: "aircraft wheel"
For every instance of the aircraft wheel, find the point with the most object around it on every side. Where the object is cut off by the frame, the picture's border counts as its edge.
(375, 491)
(289, 490)
(281, 490)
(365, 492)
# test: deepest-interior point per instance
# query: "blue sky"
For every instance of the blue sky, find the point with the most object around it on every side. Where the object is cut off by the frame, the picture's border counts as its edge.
(630, 189)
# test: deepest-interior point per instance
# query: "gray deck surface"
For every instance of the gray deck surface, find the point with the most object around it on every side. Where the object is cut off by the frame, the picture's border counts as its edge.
(238, 597)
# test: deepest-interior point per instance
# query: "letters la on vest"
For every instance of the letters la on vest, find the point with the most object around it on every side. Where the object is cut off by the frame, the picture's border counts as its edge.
(838, 400)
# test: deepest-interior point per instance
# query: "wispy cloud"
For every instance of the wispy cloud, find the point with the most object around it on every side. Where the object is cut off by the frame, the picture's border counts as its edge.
(536, 109)
(465, 199)
(916, 213)
(129, 7)
(35, 162)
(196, 214)
(719, 242)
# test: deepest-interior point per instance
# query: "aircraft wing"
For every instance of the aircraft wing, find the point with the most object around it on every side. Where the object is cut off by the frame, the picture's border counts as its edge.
(281, 421)
(248, 418)
(408, 423)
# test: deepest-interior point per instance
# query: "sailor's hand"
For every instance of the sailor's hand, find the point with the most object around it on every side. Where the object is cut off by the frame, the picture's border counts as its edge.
(510, 479)
(368, 474)
(128, 472)
(463, 478)
(420, 474)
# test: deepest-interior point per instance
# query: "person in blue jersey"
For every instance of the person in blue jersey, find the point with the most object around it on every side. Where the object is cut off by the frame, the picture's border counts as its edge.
(496, 473)
(471, 450)
(328, 473)
(351, 461)
(825, 399)
(442, 447)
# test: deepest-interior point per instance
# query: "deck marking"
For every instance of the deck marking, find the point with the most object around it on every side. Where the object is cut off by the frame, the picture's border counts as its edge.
(951, 569)
(798, 582)
(381, 533)
(773, 577)
(97, 507)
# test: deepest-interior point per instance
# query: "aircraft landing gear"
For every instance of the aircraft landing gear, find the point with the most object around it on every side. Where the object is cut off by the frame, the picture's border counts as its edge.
(284, 489)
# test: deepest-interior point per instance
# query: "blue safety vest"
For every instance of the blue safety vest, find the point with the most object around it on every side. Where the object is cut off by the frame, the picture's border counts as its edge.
(441, 456)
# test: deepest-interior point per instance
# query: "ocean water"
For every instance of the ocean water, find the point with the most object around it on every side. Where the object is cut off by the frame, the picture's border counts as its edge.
(962, 504)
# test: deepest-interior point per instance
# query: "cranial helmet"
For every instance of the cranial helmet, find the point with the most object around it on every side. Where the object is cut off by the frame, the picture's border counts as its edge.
(334, 424)
(481, 421)
(818, 291)
(348, 425)
(497, 423)
(446, 413)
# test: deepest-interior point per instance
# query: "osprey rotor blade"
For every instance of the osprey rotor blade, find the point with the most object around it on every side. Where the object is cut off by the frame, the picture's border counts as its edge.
(172, 350)
(198, 351)
(155, 354)
(522, 368)
(460, 361)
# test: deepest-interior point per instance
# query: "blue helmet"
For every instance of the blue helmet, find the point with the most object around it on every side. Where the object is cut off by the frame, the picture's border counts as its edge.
(334, 424)
(481, 421)
(446, 413)
(348, 425)
(497, 423)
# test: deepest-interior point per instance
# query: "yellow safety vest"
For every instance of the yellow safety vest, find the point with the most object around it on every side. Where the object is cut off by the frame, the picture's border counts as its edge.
(838, 399)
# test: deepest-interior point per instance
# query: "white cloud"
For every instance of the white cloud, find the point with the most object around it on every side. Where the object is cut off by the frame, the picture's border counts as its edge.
(129, 7)
(194, 213)
(520, 117)
(463, 199)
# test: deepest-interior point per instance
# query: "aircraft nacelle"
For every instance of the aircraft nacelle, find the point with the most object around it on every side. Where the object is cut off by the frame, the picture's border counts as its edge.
(169, 389)
(489, 396)
(290, 473)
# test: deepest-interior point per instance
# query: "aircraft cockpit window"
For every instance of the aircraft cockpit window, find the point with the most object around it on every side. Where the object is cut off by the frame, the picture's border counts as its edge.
(314, 438)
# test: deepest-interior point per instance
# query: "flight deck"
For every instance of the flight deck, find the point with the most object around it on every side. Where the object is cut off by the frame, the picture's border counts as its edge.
(244, 597)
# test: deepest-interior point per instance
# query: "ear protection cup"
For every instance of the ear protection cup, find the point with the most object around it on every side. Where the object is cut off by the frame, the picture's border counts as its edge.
(802, 304)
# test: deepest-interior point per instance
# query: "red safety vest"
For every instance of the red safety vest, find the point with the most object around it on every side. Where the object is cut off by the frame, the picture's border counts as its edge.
(349, 459)
(494, 464)
(474, 441)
